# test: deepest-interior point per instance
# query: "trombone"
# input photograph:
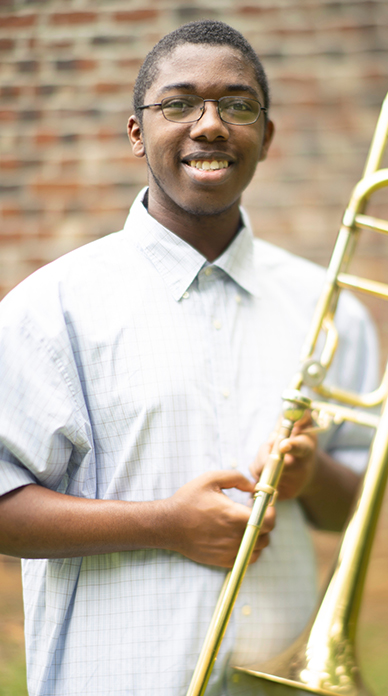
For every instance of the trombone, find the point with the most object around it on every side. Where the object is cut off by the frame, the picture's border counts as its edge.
(322, 660)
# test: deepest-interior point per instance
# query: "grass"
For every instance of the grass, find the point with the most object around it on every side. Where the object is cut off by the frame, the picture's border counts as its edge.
(372, 647)
(12, 661)
(13, 672)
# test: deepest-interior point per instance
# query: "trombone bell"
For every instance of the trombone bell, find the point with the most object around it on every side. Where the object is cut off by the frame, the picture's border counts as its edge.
(322, 660)
(327, 668)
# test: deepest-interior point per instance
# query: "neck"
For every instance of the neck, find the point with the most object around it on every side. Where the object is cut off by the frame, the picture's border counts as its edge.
(208, 234)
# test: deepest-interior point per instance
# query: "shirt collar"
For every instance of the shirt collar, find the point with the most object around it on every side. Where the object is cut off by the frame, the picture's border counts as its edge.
(178, 262)
(238, 259)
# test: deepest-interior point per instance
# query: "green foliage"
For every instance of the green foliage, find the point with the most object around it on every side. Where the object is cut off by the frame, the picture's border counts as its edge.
(372, 643)
(12, 668)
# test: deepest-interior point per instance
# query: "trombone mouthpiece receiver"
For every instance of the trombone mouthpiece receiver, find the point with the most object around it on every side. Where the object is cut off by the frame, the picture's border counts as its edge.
(294, 404)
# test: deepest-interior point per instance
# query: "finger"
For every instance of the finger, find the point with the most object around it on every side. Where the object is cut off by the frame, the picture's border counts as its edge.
(298, 446)
(301, 425)
(262, 543)
(269, 520)
(230, 479)
(305, 420)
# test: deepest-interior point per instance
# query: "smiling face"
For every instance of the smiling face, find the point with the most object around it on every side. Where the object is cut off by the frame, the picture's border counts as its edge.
(201, 168)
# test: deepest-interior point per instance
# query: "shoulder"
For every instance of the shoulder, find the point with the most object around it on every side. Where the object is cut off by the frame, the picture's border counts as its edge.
(81, 273)
(278, 260)
(280, 272)
(303, 281)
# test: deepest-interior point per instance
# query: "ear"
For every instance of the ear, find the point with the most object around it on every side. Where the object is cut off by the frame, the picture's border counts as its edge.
(135, 137)
(268, 137)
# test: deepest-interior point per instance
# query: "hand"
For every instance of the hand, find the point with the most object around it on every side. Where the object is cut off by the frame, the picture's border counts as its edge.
(206, 526)
(300, 451)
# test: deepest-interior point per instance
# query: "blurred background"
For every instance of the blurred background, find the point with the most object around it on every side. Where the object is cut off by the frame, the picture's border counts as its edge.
(67, 175)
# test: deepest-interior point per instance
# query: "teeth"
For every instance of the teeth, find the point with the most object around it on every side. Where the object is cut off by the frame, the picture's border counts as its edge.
(204, 164)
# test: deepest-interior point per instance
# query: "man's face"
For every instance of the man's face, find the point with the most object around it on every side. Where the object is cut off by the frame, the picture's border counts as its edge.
(171, 149)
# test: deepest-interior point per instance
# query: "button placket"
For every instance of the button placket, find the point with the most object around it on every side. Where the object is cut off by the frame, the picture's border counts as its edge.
(223, 324)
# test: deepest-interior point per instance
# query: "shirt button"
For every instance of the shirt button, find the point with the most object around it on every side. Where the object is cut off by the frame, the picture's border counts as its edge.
(235, 678)
(238, 299)
(217, 324)
(225, 393)
(208, 271)
(246, 610)
(234, 464)
(186, 295)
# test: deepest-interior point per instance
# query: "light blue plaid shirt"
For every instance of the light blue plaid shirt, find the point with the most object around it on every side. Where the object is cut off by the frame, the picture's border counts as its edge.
(129, 367)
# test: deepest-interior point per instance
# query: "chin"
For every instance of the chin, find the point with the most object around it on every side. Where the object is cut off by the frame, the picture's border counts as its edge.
(206, 211)
(206, 206)
(197, 203)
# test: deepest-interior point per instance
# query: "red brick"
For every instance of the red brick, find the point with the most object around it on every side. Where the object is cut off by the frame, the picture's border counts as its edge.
(129, 63)
(135, 15)
(255, 10)
(108, 88)
(10, 91)
(69, 165)
(6, 44)
(18, 21)
(10, 210)
(82, 64)
(61, 188)
(86, 64)
(45, 137)
(73, 18)
(105, 134)
(59, 44)
(8, 115)
(9, 163)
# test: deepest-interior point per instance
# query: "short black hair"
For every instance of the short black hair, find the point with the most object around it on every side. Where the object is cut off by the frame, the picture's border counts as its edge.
(205, 31)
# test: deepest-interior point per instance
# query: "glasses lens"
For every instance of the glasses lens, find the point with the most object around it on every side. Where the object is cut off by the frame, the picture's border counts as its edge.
(239, 110)
(183, 109)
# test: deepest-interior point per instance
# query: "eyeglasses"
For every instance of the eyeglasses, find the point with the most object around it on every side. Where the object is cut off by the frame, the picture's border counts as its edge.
(188, 108)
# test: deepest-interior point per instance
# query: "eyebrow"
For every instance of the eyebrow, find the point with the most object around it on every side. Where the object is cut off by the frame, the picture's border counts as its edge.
(228, 88)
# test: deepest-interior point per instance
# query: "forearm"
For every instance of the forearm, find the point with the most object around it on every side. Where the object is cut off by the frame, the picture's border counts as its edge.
(36, 522)
(328, 498)
(198, 521)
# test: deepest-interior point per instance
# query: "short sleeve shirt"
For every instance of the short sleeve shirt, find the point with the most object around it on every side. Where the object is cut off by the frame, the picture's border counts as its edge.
(129, 367)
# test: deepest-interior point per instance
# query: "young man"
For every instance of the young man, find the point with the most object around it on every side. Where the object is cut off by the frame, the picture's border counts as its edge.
(142, 372)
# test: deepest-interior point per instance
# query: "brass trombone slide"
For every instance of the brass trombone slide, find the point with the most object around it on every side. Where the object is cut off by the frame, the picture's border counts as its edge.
(323, 660)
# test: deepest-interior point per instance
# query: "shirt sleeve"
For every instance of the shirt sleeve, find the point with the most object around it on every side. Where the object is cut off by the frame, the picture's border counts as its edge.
(356, 369)
(45, 432)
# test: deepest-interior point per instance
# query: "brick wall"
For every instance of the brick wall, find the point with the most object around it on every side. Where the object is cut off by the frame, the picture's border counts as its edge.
(67, 72)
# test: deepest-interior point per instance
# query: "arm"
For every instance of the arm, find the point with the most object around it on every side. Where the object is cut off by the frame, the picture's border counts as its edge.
(328, 497)
(198, 521)
(325, 488)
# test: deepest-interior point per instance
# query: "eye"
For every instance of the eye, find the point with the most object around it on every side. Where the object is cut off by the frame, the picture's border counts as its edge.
(239, 105)
(178, 105)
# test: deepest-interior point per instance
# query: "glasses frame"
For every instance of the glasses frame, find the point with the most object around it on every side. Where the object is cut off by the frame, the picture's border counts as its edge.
(215, 101)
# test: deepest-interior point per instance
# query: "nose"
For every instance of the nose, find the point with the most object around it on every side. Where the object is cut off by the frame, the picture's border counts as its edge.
(210, 127)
